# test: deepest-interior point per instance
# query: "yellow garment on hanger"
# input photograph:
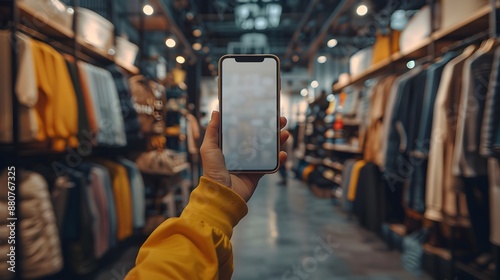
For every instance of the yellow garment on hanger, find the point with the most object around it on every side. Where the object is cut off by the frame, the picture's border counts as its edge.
(307, 171)
(122, 196)
(56, 108)
(353, 183)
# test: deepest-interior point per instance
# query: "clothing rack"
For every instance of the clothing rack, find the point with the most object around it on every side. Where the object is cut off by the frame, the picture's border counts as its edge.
(14, 154)
(467, 41)
(492, 33)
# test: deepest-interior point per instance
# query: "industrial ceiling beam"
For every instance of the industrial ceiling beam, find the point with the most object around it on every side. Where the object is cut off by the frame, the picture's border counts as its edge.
(302, 22)
(341, 8)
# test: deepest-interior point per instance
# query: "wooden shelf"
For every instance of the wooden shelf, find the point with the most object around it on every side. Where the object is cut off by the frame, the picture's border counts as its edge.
(342, 148)
(332, 164)
(398, 229)
(444, 254)
(313, 160)
(41, 23)
(89, 49)
(470, 26)
(474, 24)
(475, 272)
(311, 147)
(132, 69)
(371, 72)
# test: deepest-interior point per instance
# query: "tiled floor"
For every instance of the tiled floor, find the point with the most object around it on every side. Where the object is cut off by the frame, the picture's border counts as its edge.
(290, 234)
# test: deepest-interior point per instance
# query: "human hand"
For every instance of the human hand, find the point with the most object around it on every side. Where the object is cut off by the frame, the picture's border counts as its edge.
(215, 168)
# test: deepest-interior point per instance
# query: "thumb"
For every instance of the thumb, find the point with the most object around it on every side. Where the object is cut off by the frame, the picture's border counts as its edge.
(212, 134)
(211, 155)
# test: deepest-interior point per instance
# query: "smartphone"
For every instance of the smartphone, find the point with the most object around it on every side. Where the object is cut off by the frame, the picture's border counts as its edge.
(249, 105)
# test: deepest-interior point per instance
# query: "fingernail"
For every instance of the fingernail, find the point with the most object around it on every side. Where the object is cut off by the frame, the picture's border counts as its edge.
(213, 113)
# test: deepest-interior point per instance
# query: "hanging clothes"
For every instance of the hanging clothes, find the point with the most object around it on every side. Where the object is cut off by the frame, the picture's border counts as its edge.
(130, 118)
(397, 87)
(489, 146)
(476, 75)
(353, 181)
(494, 192)
(416, 190)
(378, 103)
(41, 249)
(83, 121)
(106, 104)
(122, 196)
(56, 107)
(442, 185)
(26, 90)
(138, 193)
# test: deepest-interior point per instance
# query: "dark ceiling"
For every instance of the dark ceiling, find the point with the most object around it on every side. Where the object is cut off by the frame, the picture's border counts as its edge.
(304, 26)
(303, 30)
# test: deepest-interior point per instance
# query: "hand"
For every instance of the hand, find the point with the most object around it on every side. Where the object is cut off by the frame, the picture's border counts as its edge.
(215, 168)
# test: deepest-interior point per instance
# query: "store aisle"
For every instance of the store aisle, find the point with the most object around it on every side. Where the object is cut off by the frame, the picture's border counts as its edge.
(286, 236)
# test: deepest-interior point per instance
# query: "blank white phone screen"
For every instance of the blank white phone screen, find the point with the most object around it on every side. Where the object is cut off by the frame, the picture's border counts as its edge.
(249, 98)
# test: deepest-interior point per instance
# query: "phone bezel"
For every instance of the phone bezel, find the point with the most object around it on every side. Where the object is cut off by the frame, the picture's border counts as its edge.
(278, 103)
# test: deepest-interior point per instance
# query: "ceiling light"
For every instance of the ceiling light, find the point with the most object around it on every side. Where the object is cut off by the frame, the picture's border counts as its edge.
(362, 10)
(180, 59)
(304, 92)
(197, 46)
(314, 84)
(205, 49)
(295, 58)
(170, 42)
(189, 16)
(197, 32)
(322, 59)
(148, 9)
(332, 43)
(260, 23)
(410, 64)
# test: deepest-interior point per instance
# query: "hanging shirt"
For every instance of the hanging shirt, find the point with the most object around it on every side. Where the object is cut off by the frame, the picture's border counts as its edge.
(56, 108)
(441, 195)
(122, 197)
(476, 75)
(138, 193)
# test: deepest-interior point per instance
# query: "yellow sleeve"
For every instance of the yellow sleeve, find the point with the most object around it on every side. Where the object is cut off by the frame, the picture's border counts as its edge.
(197, 244)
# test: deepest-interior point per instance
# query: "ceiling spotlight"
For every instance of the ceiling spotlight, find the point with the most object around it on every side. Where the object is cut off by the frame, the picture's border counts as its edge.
(295, 58)
(180, 59)
(304, 92)
(148, 9)
(362, 10)
(170, 42)
(260, 23)
(189, 16)
(205, 49)
(332, 43)
(211, 67)
(410, 64)
(197, 46)
(197, 32)
(322, 59)
(314, 84)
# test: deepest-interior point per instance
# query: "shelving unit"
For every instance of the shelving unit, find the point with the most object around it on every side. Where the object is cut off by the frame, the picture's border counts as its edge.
(335, 165)
(30, 17)
(474, 24)
(313, 160)
(342, 148)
